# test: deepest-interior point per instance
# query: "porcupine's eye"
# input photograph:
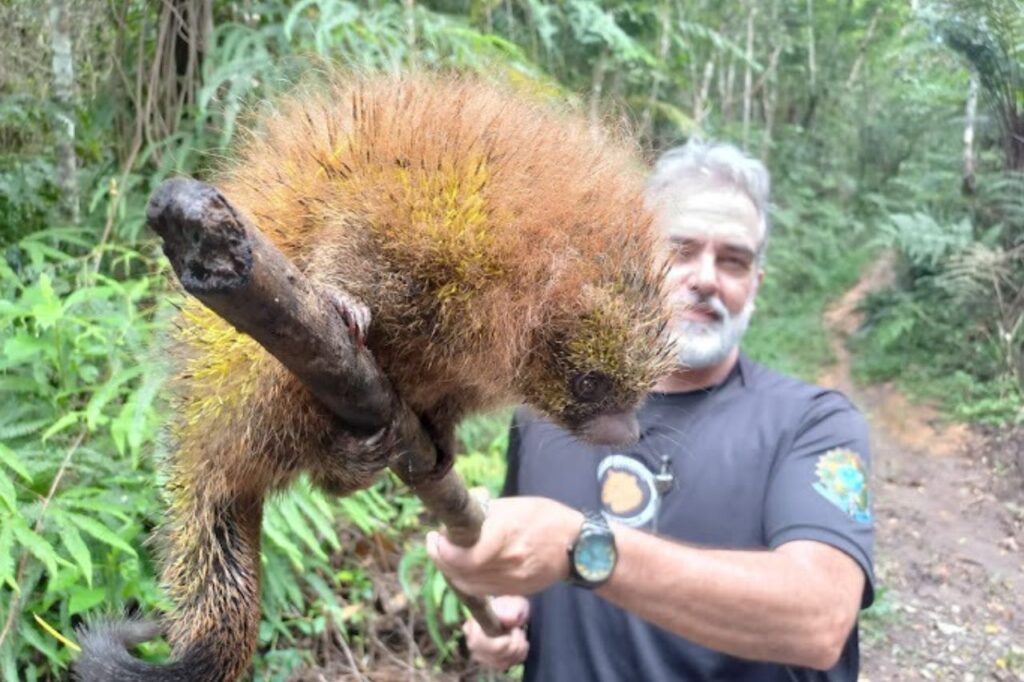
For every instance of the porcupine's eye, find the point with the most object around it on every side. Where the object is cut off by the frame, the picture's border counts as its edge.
(590, 387)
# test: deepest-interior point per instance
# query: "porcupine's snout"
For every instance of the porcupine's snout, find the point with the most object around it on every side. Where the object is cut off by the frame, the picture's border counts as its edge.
(615, 428)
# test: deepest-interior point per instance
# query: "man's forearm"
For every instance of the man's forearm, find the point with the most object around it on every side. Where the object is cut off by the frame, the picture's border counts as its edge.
(765, 605)
(794, 604)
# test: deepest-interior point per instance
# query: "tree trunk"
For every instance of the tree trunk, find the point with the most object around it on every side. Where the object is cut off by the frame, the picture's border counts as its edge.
(727, 90)
(769, 100)
(410, 30)
(597, 86)
(970, 115)
(64, 94)
(812, 61)
(770, 93)
(748, 76)
(169, 75)
(700, 108)
(664, 43)
(1014, 144)
(859, 61)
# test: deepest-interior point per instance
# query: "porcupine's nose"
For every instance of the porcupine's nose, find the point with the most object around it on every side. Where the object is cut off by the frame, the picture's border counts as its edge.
(616, 428)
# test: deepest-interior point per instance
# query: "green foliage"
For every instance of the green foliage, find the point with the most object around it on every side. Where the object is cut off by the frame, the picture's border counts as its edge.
(951, 326)
(881, 616)
(924, 242)
(989, 34)
(26, 184)
(305, 593)
(917, 334)
(76, 410)
(815, 252)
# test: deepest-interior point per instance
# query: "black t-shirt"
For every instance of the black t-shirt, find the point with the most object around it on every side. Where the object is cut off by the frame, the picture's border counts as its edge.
(758, 461)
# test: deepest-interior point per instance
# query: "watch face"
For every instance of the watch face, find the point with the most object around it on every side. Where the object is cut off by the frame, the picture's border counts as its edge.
(594, 557)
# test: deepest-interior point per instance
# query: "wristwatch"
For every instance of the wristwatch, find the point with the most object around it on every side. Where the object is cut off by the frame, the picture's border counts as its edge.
(593, 555)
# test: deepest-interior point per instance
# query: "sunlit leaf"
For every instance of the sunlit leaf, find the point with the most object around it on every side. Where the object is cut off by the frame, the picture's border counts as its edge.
(7, 492)
(47, 309)
(84, 599)
(69, 419)
(79, 551)
(6, 553)
(100, 532)
(108, 391)
(36, 545)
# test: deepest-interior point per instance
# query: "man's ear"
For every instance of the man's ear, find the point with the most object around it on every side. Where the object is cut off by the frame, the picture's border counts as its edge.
(758, 280)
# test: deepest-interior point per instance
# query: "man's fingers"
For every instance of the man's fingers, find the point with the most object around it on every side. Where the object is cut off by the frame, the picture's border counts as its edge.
(481, 644)
(460, 565)
(443, 553)
(498, 653)
(518, 648)
(451, 558)
(512, 611)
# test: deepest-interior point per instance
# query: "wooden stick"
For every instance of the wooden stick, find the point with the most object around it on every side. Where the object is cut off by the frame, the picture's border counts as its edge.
(232, 268)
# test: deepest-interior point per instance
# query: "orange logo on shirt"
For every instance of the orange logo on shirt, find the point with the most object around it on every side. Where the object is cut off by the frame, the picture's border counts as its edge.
(621, 492)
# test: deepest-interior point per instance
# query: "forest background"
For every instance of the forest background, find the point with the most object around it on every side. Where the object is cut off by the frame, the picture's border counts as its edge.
(893, 127)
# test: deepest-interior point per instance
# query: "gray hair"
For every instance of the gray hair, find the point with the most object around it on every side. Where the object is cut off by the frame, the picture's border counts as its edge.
(719, 161)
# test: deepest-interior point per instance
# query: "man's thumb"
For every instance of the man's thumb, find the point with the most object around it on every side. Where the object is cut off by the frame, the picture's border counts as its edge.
(442, 551)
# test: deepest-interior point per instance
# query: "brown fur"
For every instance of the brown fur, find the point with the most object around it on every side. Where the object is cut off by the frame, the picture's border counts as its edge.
(502, 248)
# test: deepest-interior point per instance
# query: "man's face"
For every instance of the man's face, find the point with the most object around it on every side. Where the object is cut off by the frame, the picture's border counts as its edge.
(713, 234)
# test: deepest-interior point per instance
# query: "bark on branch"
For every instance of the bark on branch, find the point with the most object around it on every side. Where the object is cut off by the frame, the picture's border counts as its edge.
(226, 262)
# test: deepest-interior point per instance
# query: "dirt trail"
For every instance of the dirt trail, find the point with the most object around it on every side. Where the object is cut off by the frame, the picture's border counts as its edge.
(950, 529)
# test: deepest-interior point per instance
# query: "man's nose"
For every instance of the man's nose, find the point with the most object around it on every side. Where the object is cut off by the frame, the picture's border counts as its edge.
(705, 277)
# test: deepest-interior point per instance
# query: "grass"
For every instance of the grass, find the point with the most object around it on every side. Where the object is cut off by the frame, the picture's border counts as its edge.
(882, 616)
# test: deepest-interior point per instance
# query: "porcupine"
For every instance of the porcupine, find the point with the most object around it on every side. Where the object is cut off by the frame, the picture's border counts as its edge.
(504, 254)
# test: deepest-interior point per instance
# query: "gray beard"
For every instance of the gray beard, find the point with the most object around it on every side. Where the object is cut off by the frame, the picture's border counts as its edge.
(705, 344)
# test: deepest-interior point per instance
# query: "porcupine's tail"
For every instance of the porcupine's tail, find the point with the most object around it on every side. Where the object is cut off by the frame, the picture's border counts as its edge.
(212, 573)
(105, 653)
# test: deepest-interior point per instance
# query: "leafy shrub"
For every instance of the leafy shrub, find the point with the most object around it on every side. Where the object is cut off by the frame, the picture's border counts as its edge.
(77, 408)
(925, 243)
(815, 252)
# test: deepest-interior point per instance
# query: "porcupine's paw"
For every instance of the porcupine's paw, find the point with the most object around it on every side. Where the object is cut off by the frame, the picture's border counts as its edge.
(355, 315)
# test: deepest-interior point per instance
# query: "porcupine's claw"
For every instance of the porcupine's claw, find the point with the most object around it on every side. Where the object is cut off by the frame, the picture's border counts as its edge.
(355, 314)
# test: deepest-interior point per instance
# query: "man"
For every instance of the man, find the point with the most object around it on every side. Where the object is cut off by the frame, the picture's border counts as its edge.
(740, 542)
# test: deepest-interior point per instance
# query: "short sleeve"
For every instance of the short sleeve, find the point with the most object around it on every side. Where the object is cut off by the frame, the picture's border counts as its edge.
(819, 486)
(511, 486)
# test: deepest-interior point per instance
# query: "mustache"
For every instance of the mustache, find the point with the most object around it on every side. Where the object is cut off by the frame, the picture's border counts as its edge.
(692, 299)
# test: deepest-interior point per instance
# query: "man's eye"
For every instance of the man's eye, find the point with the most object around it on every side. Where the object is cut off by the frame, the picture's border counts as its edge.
(733, 263)
(683, 252)
(590, 387)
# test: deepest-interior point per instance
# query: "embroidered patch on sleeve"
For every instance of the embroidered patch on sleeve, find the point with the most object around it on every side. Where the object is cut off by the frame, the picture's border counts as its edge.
(842, 481)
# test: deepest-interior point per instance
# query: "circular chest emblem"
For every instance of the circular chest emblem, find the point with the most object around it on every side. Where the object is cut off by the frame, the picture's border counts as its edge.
(627, 490)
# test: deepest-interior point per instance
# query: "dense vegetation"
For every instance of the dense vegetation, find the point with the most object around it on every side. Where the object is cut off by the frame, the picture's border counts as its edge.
(887, 125)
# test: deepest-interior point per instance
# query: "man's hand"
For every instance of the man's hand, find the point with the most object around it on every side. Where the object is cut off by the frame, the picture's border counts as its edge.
(523, 548)
(500, 653)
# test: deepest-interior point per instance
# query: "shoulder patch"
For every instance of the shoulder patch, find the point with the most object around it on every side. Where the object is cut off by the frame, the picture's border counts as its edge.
(842, 481)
